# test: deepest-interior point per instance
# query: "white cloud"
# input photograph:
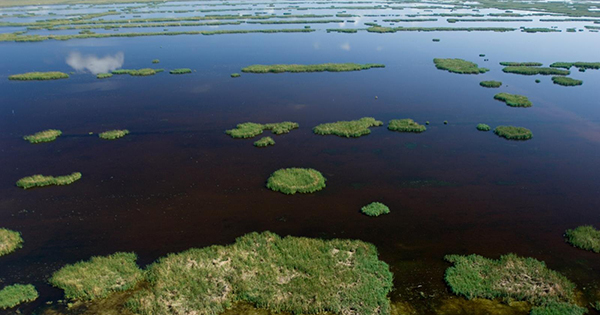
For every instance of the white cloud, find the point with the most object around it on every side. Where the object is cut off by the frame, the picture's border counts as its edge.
(345, 46)
(94, 64)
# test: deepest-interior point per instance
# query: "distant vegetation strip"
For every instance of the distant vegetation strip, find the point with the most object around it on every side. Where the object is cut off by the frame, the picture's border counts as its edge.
(113, 134)
(520, 64)
(458, 66)
(535, 70)
(41, 180)
(43, 136)
(578, 64)
(296, 22)
(329, 67)
(381, 29)
(488, 20)
(39, 76)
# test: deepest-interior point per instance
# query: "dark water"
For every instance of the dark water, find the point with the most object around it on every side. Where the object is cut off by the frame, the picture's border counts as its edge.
(178, 181)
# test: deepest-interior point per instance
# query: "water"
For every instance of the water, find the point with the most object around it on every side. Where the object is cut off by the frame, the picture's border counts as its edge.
(177, 181)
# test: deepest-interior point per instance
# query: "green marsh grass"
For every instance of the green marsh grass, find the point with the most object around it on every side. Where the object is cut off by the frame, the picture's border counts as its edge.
(342, 30)
(13, 295)
(578, 64)
(558, 308)
(292, 180)
(458, 66)
(521, 64)
(513, 133)
(565, 81)
(329, 67)
(9, 241)
(113, 134)
(235, 75)
(41, 180)
(98, 277)
(513, 100)
(381, 29)
(352, 128)
(405, 125)
(104, 75)
(43, 136)
(375, 209)
(180, 71)
(137, 72)
(264, 142)
(483, 127)
(539, 30)
(491, 84)
(39, 76)
(250, 129)
(535, 70)
(584, 237)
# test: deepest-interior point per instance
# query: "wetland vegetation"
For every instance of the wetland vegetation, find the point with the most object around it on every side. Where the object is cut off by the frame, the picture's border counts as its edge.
(180, 71)
(13, 295)
(375, 209)
(296, 180)
(104, 75)
(329, 67)
(405, 125)
(41, 180)
(138, 72)
(39, 76)
(584, 237)
(113, 134)
(264, 142)
(483, 127)
(513, 133)
(250, 129)
(513, 100)
(348, 129)
(235, 75)
(566, 81)
(458, 66)
(578, 64)
(9, 241)
(521, 64)
(491, 84)
(525, 70)
(43, 136)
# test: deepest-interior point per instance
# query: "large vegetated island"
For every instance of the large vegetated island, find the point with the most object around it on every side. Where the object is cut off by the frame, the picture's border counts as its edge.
(458, 66)
(348, 129)
(250, 129)
(329, 67)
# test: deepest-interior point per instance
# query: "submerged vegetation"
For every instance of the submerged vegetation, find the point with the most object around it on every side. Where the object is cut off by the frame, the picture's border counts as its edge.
(329, 67)
(513, 133)
(405, 125)
(41, 180)
(180, 71)
(39, 76)
(351, 128)
(264, 142)
(113, 134)
(292, 180)
(375, 209)
(483, 127)
(138, 72)
(98, 277)
(43, 136)
(535, 70)
(513, 100)
(13, 295)
(491, 84)
(565, 81)
(9, 241)
(585, 237)
(250, 129)
(458, 66)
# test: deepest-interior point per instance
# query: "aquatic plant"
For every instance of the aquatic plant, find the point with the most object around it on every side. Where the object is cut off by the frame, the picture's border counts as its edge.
(381, 29)
(458, 66)
(537, 81)
(405, 125)
(483, 127)
(235, 75)
(375, 209)
(9, 241)
(578, 64)
(351, 128)
(98, 277)
(565, 81)
(43, 136)
(558, 308)
(513, 133)
(491, 84)
(138, 72)
(250, 129)
(155, 61)
(481, 55)
(520, 64)
(292, 180)
(13, 295)
(436, 39)
(39, 76)
(513, 100)
(329, 67)
(180, 71)
(445, 122)
(535, 70)
(41, 180)
(264, 142)
(585, 237)
(291, 274)
(539, 30)
(113, 134)
(104, 75)
(342, 30)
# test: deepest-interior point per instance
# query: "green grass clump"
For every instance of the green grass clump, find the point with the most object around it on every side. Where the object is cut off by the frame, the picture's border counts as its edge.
(292, 180)
(513, 100)
(138, 72)
(98, 277)
(13, 295)
(29, 76)
(564, 81)
(329, 67)
(180, 71)
(491, 84)
(250, 129)
(235, 75)
(520, 64)
(539, 30)
(483, 127)
(513, 133)
(264, 142)
(9, 241)
(578, 64)
(375, 209)
(352, 128)
(558, 308)
(41, 180)
(436, 39)
(104, 75)
(458, 66)
(585, 237)
(113, 134)
(155, 61)
(535, 70)
(510, 277)
(43, 136)
(291, 274)
(405, 125)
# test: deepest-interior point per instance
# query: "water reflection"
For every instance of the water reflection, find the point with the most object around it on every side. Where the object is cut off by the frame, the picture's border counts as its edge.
(94, 64)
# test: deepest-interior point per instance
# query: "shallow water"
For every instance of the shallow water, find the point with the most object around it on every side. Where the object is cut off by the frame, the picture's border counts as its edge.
(177, 181)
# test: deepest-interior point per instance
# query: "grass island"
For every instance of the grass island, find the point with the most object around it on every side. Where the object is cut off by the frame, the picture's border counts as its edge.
(483, 127)
(250, 129)
(180, 71)
(264, 142)
(584, 237)
(351, 128)
(405, 125)
(113, 134)
(39, 76)
(491, 84)
(292, 180)
(139, 72)
(43, 136)
(9, 241)
(329, 67)
(375, 209)
(458, 66)
(513, 133)
(513, 100)
(13, 295)
(104, 75)
(155, 61)
(565, 81)
(41, 180)
(526, 70)
(520, 64)
(578, 64)
(235, 75)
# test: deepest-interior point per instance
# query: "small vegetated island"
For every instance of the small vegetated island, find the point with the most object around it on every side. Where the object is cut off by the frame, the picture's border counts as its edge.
(113, 134)
(279, 274)
(513, 133)
(13, 295)
(180, 71)
(483, 127)
(264, 142)
(458, 66)
(250, 129)
(41, 180)
(43, 136)
(405, 125)
(351, 128)
(584, 237)
(565, 81)
(9, 241)
(491, 84)
(513, 278)
(328, 67)
(513, 100)
(235, 75)
(292, 180)
(526, 70)
(39, 76)
(375, 209)
(104, 75)
(139, 72)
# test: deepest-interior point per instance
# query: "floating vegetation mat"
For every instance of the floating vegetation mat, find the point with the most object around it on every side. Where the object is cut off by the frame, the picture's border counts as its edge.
(458, 66)
(9, 241)
(564, 81)
(375, 209)
(483, 127)
(491, 84)
(351, 128)
(329, 67)
(585, 237)
(405, 125)
(513, 133)
(13, 295)
(41, 180)
(39, 76)
(250, 129)
(113, 134)
(139, 72)
(513, 100)
(292, 180)
(235, 75)
(520, 64)
(578, 64)
(180, 71)
(524, 70)
(264, 142)
(104, 75)
(43, 136)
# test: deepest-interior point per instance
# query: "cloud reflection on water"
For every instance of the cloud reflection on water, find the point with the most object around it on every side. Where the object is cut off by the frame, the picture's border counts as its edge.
(94, 64)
